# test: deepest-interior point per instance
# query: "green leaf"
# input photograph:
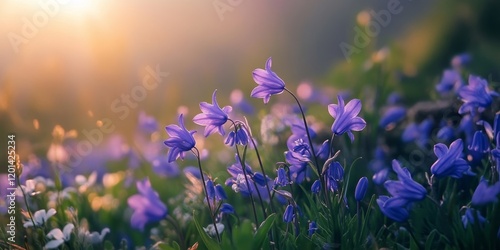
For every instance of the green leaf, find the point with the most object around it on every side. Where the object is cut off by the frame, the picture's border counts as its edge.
(430, 239)
(209, 242)
(261, 234)
(108, 245)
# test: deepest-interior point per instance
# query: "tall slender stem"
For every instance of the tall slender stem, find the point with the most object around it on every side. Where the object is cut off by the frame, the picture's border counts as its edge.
(243, 167)
(197, 154)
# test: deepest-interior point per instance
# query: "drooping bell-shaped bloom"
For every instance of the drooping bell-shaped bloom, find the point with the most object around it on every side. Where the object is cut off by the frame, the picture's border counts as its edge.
(361, 187)
(392, 116)
(450, 81)
(394, 208)
(313, 227)
(213, 117)
(475, 95)
(334, 175)
(180, 141)
(405, 188)
(485, 194)
(346, 117)
(281, 178)
(449, 162)
(147, 206)
(479, 147)
(240, 137)
(470, 217)
(289, 214)
(316, 187)
(269, 83)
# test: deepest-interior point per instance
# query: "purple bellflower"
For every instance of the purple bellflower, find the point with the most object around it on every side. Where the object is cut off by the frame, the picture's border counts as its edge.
(449, 162)
(392, 116)
(316, 187)
(240, 137)
(289, 214)
(147, 206)
(213, 117)
(405, 188)
(281, 178)
(470, 217)
(269, 83)
(346, 117)
(485, 194)
(475, 95)
(394, 208)
(479, 147)
(451, 81)
(313, 227)
(361, 187)
(180, 141)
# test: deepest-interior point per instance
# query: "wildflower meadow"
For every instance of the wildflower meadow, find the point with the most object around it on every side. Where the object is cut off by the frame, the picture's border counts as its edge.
(363, 159)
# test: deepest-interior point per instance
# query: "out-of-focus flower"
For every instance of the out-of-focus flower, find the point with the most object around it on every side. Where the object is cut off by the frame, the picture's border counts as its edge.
(238, 101)
(213, 117)
(346, 117)
(361, 188)
(147, 205)
(147, 124)
(449, 162)
(313, 227)
(420, 133)
(58, 237)
(466, 126)
(446, 133)
(210, 229)
(470, 217)
(40, 217)
(226, 208)
(496, 153)
(485, 194)
(220, 194)
(210, 189)
(451, 81)
(180, 141)
(394, 99)
(392, 116)
(84, 183)
(94, 237)
(381, 176)
(475, 95)
(461, 60)
(405, 188)
(394, 208)
(269, 83)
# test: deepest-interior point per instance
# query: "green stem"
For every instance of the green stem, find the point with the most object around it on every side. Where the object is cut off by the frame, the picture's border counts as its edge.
(197, 154)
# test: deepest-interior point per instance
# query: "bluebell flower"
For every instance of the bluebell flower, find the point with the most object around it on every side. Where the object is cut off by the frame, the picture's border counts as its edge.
(226, 208)
(334, 175)
(449, 162)
(495, 153)
(316, 187)
(419, 134)
(461, 60)
(162, 167)
(213, 117)
(220, 194)
(281, 178)
(394, 208)
(289, 214)
(405, 188)
(446, 133)
(475, 95)
(361, 188)
(240, 137)
(210, 189)
(470, 217)
(298, 166)
(180, 141)
(147, 123)
(346, 117)
(391, 116)
(451, 80)
(147, 206)
(381, 176)
(394, 99)
(485, 194)
(313, 227)
(269, 83)
(479, 147)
